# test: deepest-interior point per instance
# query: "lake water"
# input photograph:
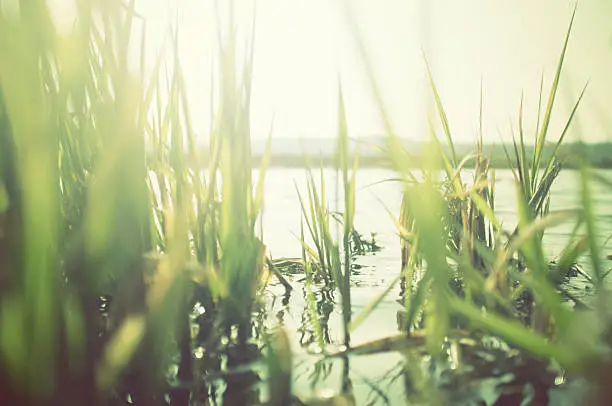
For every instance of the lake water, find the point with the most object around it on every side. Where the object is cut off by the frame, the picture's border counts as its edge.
(281, 225)
(374, 195)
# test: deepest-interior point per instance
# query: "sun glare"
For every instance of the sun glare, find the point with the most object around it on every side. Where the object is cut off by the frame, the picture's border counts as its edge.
(304, 50)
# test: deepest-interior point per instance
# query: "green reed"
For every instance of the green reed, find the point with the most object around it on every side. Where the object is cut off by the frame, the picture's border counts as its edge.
(103, 194)
(99, 168)
(78, 208)
(460, 237)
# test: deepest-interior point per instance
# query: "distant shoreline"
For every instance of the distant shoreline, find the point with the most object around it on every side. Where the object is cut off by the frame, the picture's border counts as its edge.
(299, 161)
(316, 152)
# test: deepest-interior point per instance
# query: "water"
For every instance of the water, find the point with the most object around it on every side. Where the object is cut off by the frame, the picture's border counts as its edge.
(375, 193)
(374, 196)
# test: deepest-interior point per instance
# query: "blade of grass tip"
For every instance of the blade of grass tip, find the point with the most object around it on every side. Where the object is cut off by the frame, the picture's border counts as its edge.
(185, 112)
(124, 36)
(480, 129)
(539, 117)
(352, 22)
(353, 175)
(439, 149)
(528, 177)
(453, 175)
(265, 162)
(541, 139)
(441, 112)
(248, 66)
(523, 177)
(511, 166)
(565, 129)
(342, 138)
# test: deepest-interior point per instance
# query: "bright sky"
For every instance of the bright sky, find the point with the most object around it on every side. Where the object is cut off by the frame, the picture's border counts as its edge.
(303, 47)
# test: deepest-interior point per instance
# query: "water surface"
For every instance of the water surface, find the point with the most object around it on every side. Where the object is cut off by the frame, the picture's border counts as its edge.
(375, 194)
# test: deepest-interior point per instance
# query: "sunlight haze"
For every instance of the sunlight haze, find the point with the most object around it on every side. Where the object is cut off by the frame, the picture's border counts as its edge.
(304, 48)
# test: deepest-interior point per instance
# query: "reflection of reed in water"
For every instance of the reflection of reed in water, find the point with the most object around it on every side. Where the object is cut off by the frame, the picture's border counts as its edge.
(408, 246)
(242, 388)
(324, 308)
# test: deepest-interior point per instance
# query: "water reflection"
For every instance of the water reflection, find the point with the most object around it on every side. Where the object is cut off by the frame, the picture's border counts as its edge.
(390, 374)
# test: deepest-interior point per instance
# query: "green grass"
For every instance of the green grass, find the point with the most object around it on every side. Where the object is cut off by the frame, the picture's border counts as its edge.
(104, 202)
